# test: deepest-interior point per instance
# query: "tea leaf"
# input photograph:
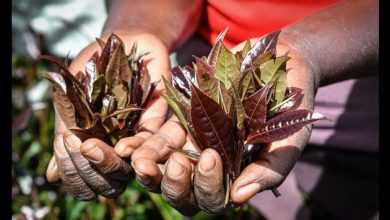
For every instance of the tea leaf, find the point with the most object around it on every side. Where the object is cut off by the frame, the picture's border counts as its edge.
(95, 131)
(269, 68)
(109, 48)
(246, 48)
(283, 125)
(98, 87)
(63, 105)
(212, 126)
(226, 67)
(280, 79)
(255, 107)
(294, 99)
(224, 98)
(266, 43)
(213, 55)
(121, 95)
(178, 112)
(74, 90)
(180, 81)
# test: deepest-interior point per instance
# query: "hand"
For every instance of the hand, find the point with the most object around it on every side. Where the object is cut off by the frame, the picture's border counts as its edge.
(189, 186)
(92, 168)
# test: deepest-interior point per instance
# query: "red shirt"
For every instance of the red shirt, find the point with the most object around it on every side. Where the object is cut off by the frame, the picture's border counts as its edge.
(249, 18)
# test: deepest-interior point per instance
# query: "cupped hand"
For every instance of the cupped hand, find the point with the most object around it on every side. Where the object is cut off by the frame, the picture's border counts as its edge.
(92, 168)
(190, 186)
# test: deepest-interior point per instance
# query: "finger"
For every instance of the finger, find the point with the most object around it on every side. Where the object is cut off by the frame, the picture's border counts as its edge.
(103, 157)
(267, 172)
(52, 173)
(102, 185)
(208, 182)
(148, 174)
(153, 117)
(176, 185)
(73, 182)
(155, 149)
(126, 146)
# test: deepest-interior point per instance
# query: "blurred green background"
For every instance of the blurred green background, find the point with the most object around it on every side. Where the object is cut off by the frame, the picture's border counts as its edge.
(58, 28)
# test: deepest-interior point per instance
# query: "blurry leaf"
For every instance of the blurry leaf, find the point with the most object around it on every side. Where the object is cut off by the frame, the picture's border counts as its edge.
(76, 207)
(206, 81)
(256, 108)
(213, 126)
(264, 44)
(269, 68)
(213, 55)
(226, 67)
(34, 148)
(21, 121)
(283, 125)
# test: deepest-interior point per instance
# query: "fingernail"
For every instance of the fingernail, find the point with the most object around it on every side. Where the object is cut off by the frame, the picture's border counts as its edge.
(72, 142)
(93, 152)
(175, 169)
(143, 179)
(249, 189)
(207, 163)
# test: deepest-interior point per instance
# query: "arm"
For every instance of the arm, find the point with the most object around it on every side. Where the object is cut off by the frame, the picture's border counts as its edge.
(157, 27)
(334, 44)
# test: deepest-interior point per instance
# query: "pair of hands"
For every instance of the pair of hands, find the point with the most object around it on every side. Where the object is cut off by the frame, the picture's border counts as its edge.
(93, 168)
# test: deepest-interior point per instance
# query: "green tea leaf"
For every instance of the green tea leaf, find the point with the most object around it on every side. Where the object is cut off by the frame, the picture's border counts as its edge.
(280, 79)
(226, 67)
(213, 55)
(269, 68)
(246, 48)
(121, 95)
(178, 112)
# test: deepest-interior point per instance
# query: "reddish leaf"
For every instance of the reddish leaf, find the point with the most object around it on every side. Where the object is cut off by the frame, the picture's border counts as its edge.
(294, 102)
(266, 43)
(109, 48)
(212, 126)
(283, 125)
(74, 90)
(202, 68)
(180, 81)
(95, 131)
(255, 107)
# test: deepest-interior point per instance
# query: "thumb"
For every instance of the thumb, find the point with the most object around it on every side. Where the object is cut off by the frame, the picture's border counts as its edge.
(269, 171)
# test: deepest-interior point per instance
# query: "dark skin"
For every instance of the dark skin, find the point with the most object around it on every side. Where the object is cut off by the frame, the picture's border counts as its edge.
(337, 43)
